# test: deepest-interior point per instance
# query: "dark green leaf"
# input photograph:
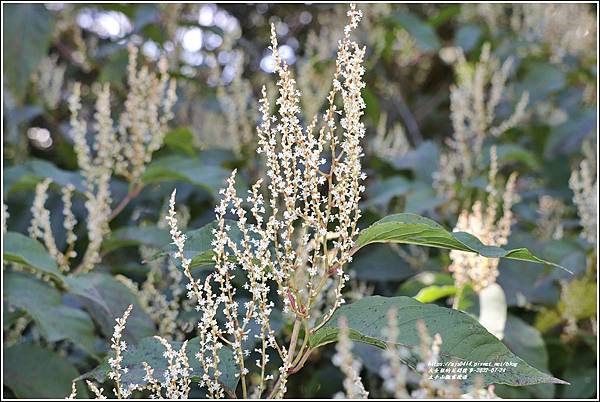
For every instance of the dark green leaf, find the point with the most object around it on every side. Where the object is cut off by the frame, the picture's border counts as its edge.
(31, 371)
(541, 80)
(568, 136)
(423, 33)
(382, 192)
(26, 31)
(463, 338)
(105, 298)
(24, 250)
(380, 263)
(43, 303)
(193, 171)
(25, 176)
(526, 342)
(422, 160)
(468, 37)
(508, 153)
(136, 236)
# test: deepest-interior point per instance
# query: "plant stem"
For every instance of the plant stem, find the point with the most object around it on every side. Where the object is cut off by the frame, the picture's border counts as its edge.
(300, 364)
(134, 192)
(291, 349)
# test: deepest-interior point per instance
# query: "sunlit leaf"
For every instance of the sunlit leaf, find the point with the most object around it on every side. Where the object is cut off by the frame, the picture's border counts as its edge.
(463, 338)
(415, 229)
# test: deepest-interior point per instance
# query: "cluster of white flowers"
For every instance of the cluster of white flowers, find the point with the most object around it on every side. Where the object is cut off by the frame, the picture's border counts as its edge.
(141, 129)
(5, 216)
(473, 103)
(489, 228)
(211, 337)
(40, 227)
(48, 80)
(550, 210)
(96, 169)
(429, 355)
(119, 346)
(584, 184)
(177, 375)
(98, 392)
(353, 386)
(304, 194)
(143, 123)
(562, 29)
(566, 29)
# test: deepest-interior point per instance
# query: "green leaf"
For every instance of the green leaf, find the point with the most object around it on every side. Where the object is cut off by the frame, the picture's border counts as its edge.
(105, 298)
(26, 31)
(444, 14)
(541, 80)
(31, 371)
(43, 303)
(422, 160)
(136, 236)
(432, 293)
(380, 263)
(568, 136)
(190, 170)
(468, 36)
(382, 192)
(424, 34)
(26, 175)
(24, 250)
(181, 140)
(526, 342)
(508, 153)
(415, 229)
(462, 336)
(150, 350)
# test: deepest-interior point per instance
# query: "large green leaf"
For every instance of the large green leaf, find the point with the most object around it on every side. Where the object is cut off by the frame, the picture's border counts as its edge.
(24, 250)
(43, 303)
(31, 371)
(26, 31)
(136, 236)
(105, 298)
(526, 342)
(150, 350)
(26, 175)
(190, 170)
(463, 339)
(415, 229)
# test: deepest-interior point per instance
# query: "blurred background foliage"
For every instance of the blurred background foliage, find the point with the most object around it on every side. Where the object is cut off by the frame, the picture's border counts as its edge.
(219, 55)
